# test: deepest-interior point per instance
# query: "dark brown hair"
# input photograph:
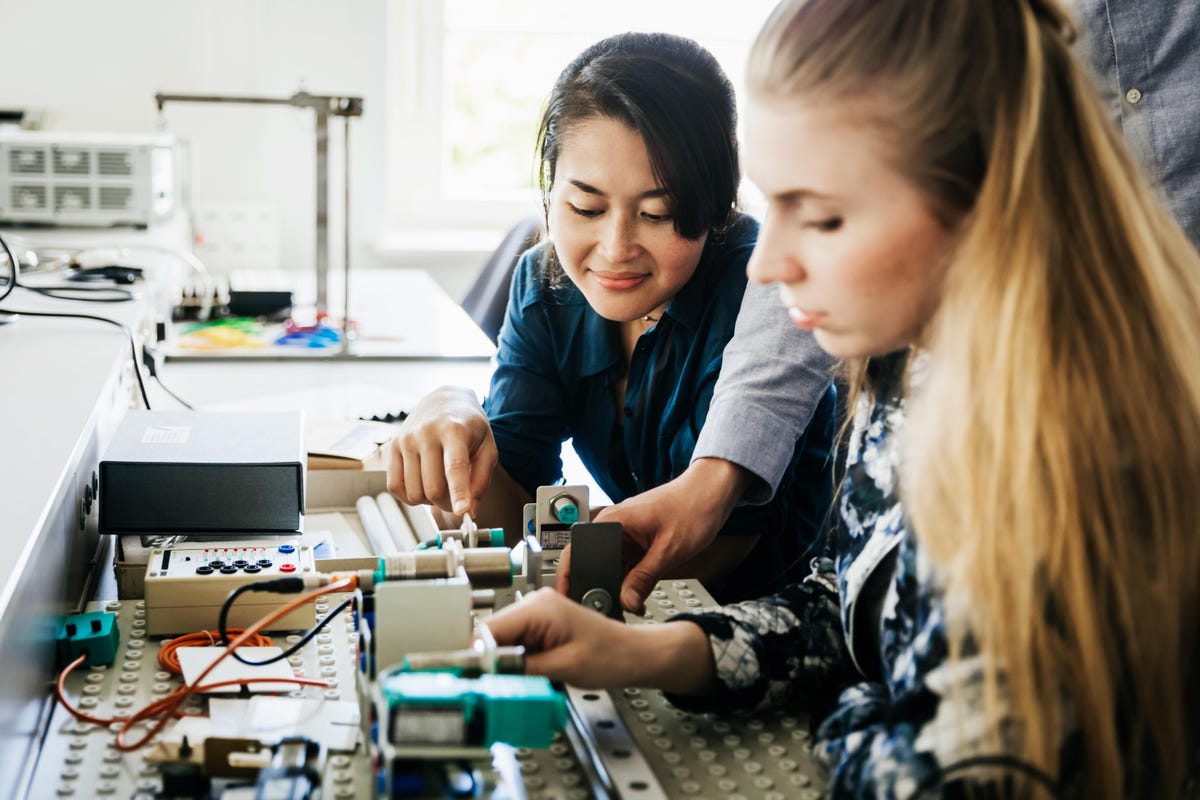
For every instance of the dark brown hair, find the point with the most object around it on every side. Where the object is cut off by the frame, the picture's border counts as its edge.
(674, 93)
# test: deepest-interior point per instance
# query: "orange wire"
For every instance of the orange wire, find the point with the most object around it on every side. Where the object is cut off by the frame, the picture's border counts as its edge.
(172, 702)
(168, 659)
(166, 708)
(157, 704)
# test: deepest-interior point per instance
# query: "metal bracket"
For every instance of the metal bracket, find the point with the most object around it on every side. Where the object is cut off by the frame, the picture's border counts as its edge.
(614, 755)
(596, 566)
(323, 107)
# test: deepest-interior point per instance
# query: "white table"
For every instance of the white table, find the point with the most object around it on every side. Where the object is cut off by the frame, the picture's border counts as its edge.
(400, 313)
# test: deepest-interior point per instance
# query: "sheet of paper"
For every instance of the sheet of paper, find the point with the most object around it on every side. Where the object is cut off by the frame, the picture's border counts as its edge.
(334, 723)
(194, 660)
(345, 439)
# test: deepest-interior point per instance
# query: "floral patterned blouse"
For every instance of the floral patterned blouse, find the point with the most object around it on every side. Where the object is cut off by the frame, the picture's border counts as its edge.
(862, 638)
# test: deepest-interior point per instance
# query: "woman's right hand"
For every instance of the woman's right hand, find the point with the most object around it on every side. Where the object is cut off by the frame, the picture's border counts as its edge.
(576, 645)
(444, 453)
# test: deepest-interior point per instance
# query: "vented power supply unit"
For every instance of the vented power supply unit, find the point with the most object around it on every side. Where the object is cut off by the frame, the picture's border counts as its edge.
(83, 179)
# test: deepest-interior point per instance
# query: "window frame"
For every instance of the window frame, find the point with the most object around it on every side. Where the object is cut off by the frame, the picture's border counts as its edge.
(434, 219)
(416, 125)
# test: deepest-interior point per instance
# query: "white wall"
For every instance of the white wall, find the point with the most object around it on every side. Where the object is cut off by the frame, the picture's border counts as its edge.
(95, 66)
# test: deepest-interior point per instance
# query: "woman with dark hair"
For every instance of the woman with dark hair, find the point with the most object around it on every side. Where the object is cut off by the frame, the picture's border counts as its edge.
(616, 325)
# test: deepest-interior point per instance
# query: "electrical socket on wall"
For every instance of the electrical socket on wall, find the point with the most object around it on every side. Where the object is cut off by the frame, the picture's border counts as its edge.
(232, 236)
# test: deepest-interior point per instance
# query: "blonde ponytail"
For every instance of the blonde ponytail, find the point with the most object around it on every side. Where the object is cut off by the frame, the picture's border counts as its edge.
(1053, 447)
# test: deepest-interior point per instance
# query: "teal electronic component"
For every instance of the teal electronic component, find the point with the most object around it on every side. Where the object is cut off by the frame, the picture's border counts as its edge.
(95, 633)
(440, 708)
(565, 509)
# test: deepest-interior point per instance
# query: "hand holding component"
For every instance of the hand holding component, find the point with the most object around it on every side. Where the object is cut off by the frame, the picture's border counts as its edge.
(444, 453)
(566, 642)
(677, 522)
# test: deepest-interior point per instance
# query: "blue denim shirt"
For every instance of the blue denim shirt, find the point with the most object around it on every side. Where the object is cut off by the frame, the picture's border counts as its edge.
(1148, 65)
(558, 361)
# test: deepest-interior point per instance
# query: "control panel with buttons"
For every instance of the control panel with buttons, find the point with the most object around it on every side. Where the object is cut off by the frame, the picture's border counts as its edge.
(186, 586)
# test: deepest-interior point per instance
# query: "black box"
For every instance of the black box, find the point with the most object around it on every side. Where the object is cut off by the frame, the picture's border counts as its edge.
(204, 472)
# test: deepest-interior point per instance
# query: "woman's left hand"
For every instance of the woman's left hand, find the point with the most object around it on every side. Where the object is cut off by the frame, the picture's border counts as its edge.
(675, 524)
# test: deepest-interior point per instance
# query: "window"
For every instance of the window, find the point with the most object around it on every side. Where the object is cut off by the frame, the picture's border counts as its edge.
(472, 77)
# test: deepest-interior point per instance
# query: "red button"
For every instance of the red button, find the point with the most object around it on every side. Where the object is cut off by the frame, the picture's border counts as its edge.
(287, 567)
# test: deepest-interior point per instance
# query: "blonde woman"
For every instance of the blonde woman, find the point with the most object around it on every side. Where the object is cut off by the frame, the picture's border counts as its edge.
(1013, 599)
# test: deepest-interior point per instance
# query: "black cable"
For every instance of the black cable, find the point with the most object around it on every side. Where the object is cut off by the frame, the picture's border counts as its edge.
(305, 639)
(1004, 762)
(166, 389)
(12, 269)
(150, 359)
(82, 294)
(137, 372)
(115, 294)
(282, 586)
(12, 284)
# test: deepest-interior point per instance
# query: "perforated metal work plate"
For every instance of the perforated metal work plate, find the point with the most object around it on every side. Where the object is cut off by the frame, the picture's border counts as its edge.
(79, 759)
(698, 755)
(687, 755)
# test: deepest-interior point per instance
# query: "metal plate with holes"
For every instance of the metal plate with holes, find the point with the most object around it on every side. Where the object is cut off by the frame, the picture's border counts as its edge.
(702, 755)
(681, 755)
(768, 757)
(79, 759)
(554, 773)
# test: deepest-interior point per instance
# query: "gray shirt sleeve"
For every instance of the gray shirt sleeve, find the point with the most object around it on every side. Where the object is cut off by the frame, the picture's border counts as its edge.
(1148, 71)
(772, 378)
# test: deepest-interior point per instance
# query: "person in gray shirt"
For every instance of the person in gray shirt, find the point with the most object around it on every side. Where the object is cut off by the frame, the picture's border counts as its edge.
(1148, 68)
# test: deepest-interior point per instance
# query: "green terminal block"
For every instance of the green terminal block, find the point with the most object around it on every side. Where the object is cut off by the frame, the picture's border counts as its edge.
(440, 708)
(95, 633)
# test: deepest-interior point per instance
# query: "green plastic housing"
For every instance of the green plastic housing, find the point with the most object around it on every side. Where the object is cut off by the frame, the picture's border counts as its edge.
(517, 710)
(95, 633)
